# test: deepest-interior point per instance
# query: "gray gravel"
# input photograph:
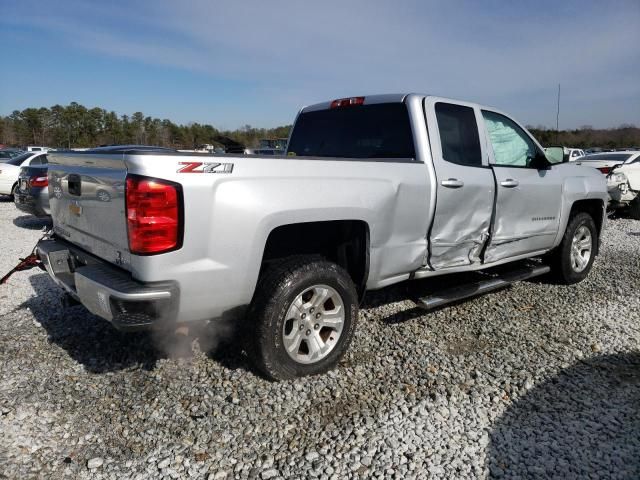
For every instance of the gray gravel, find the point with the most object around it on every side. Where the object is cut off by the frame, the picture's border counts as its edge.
(536, 381)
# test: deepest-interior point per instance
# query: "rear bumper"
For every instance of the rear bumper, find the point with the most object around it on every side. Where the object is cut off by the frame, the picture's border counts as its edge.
(34, 202)
(107, 291)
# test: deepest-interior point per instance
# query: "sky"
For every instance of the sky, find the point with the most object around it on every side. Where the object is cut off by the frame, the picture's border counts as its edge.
(231, 63)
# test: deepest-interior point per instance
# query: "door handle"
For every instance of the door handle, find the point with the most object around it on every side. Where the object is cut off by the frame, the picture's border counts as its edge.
(510, 183)
(452, 183)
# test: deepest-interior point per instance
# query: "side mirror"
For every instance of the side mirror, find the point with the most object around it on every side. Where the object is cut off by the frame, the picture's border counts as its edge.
(540, 162)
(554, 154)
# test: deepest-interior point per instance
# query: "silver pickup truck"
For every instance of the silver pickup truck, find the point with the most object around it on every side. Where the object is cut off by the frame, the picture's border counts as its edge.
(372, 191)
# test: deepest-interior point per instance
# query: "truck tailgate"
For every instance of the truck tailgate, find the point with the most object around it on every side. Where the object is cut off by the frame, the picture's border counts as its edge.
(87, 197)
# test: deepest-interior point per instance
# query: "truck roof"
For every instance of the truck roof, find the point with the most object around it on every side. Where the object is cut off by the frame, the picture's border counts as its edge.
(386, 98)
(368, 100)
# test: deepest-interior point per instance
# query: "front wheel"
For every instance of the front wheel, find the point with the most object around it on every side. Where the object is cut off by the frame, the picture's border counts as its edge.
(303, 318)
(572, 260)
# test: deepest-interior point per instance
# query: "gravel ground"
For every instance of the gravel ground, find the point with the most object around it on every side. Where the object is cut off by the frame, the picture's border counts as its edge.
(535, 381)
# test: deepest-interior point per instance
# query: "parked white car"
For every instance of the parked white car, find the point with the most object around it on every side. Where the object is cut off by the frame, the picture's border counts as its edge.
(574, 153)
(607, 160)
(569, 154)
(36, 148)
(10, 170)
(623, 184)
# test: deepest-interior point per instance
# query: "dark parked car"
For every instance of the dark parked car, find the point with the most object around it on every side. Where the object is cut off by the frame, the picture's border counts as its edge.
(7, 154)
(32, 195)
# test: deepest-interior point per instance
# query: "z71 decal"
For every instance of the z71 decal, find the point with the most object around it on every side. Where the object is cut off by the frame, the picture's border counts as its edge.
(205, 167)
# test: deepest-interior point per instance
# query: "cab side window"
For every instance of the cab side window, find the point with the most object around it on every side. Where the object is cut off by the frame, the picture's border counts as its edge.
(459, 137)
(511, 145)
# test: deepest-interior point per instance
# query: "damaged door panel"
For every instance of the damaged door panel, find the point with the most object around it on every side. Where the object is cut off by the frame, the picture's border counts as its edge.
(465, 185)
(527, 211)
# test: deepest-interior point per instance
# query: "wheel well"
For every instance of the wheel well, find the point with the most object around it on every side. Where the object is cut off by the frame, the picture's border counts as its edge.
(593, 207)
(345, 242)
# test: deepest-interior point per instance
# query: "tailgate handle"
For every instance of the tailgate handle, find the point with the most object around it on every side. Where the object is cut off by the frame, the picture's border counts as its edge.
(74, 185)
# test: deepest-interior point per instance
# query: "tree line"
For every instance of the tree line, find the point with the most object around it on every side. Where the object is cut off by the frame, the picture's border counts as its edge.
(76, 126)
(624, 136)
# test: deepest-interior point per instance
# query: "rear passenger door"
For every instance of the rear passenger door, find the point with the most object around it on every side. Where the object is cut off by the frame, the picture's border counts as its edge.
(528, 199)
(465, 185)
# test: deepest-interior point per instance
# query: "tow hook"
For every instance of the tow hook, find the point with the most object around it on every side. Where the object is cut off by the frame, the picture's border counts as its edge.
(26, 263)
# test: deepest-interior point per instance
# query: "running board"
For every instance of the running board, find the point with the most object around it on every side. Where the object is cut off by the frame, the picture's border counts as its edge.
(460, 292)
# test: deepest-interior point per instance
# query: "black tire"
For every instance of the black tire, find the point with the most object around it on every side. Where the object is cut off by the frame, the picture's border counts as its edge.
(277, 289)
(14, 190)
(561, 265)
(634, 208)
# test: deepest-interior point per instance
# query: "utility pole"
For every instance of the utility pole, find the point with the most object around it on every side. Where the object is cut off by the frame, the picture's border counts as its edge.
(558, 115)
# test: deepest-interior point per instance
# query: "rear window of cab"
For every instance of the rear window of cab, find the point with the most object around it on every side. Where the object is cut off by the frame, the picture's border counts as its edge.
(379, 130)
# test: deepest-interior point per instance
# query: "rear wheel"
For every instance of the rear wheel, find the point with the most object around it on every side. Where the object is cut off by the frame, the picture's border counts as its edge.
(572, 260)
(302, 318)
(14, 191)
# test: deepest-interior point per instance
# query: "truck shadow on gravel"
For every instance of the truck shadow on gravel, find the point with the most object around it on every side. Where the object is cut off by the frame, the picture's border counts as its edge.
(408, 292)
(412, 290)
(31, 222)
(89, 340)
(100, 348)
(582, 423)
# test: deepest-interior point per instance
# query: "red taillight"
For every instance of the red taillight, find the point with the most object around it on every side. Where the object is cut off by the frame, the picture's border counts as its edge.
(153, 215)
(604, 170)
(347, 102)
(39, 181)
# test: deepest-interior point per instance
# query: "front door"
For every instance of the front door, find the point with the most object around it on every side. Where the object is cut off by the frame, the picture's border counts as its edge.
(528, 200)
(465, 184)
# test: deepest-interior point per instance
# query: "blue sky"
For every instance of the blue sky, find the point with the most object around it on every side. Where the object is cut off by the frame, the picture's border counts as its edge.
(231, 63)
